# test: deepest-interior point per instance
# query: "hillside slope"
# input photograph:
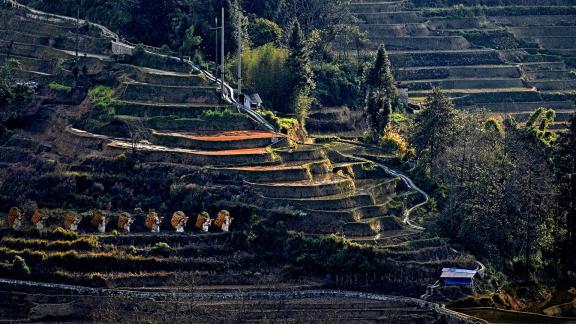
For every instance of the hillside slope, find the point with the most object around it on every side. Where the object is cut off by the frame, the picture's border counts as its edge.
(507, 56)
(160, 137)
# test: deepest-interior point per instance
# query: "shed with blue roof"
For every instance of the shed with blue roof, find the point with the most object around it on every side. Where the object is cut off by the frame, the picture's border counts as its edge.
(457, 277)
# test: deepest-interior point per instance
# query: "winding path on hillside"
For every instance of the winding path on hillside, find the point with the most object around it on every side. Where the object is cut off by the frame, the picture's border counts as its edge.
(406, 219)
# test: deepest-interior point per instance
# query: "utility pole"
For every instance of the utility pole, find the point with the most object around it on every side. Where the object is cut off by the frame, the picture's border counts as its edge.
(77, 28)
(223, 56)
(239, 53)
(216, 45)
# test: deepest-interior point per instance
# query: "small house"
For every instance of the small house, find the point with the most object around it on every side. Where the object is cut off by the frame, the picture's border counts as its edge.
(457, 277)
(251, 100)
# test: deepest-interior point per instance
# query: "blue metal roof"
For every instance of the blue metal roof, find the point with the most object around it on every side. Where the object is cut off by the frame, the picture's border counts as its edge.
(458, 270)
(457, 273)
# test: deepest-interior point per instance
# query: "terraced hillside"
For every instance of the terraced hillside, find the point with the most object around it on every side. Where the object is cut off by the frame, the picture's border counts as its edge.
(189, 124)
(510, 57)
(185, 134)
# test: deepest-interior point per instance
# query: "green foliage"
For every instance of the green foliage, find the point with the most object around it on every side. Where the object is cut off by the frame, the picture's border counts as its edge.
(381, 95)
(7, 72)
(139, 50)
(312, 255)
(190, 43)
(264, 31)
(217, 114)
(539, 123)
(13, 96)
(564, 158)
(435, 127)
(496, 126)
(494, 188)
(141, 21)
(393, 142)
(264, 68)
(59, 87)
(161, 249)
(398, 118)
(104, 98)
(336, 84)
(300, 66)
(493, 39)
(82, 244)
(22, 94)
(282, 124)
(62, 234)
(20, 267)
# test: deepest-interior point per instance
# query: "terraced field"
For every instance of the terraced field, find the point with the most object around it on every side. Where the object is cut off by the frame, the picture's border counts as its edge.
(317, 189)
(509, 57)
(280, 306)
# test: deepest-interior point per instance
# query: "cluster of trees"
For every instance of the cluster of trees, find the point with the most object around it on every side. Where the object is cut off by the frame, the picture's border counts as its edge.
(13, 96)
(299, 36)
(504, 191)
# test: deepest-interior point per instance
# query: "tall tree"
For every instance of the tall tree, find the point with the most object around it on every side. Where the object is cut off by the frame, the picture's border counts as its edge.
(300, 66)
(381, 94)
(191, 42)
(565, 162)
(435, 127)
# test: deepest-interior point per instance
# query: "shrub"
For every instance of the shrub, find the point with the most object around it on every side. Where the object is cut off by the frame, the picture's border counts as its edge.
(83, 244)
(217, 114)
(62, 234)
(264, 31)
(20, 267)
(22, 94)
(393, 142)
(58, 87)
(279, 123)
(104, 98)
(397, 118)
(161, 249)
(335, 84)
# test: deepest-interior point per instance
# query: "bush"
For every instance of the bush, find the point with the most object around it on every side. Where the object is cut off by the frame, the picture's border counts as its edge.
(161, 249)
(62, 234)
(282, 124)
(335, 84)
(20, 267)
(264, 31)
(217, 114)
(393, 142)
(83, 244)
(104, 98)
(58, 87)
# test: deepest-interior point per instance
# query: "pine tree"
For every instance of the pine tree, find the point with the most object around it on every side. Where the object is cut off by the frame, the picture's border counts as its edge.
(300, 66)
(381, 94)
(435, 127)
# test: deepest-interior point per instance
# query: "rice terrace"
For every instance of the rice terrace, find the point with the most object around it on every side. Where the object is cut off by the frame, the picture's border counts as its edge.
(288, 161)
